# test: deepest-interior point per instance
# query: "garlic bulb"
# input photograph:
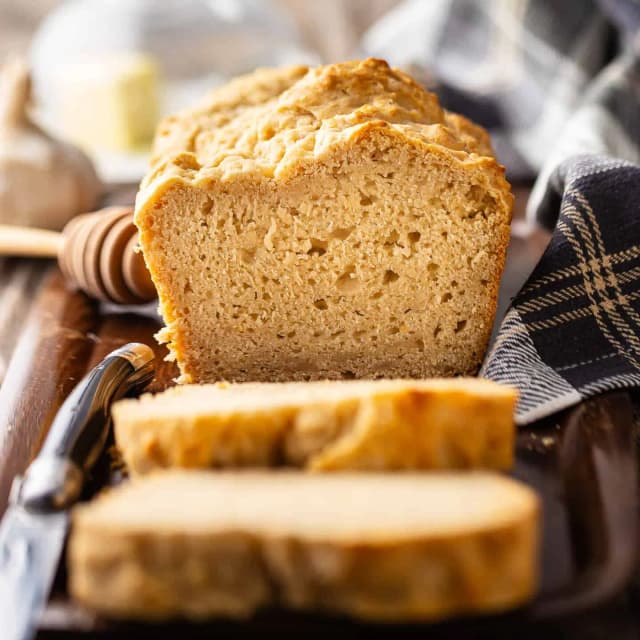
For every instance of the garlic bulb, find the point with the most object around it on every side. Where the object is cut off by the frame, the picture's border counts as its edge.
(43, 181)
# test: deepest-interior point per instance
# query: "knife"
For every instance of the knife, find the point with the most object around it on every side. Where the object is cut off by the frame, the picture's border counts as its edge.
(34, 526)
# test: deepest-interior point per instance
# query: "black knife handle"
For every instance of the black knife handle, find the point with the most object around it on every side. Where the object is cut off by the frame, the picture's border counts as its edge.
(54, 480)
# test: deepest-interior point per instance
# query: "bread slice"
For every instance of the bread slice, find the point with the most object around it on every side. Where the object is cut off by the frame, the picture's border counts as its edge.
(381, 424)
(318, 223)
(376, 546)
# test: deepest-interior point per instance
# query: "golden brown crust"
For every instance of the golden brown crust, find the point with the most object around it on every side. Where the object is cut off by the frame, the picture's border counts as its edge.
(324, 426)
(177, 133)
(274, 118)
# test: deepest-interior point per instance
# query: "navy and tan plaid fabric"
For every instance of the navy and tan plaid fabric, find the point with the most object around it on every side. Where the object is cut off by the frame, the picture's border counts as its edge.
(574, 329)
(558, 85)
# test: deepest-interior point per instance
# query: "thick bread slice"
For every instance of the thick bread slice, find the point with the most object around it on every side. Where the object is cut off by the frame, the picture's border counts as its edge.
(324, 223)
(375, 546)
(382, 424)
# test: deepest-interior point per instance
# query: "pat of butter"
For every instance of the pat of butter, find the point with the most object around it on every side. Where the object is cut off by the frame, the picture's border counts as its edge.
(110, 102)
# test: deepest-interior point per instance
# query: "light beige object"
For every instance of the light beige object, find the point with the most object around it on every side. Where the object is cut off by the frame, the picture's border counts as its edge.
(323, 426)
(380, 547)
(43, 182)
(118, 90)
(324, 223)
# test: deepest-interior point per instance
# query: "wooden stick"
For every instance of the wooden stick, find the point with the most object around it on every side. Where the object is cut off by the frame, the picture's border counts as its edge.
(28, 242)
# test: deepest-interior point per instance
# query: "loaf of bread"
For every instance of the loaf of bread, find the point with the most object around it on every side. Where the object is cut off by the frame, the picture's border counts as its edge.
(454, 423)
(331, 222)
(397, 547)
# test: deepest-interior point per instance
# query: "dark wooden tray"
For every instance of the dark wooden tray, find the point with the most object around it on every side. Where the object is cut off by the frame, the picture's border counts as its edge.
(582, 463)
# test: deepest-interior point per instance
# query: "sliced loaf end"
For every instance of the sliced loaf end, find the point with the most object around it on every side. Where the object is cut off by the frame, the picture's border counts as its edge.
(401, 547)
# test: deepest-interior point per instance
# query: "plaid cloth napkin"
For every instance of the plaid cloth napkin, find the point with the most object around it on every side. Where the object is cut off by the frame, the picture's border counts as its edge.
(558, 86)
(574, 328)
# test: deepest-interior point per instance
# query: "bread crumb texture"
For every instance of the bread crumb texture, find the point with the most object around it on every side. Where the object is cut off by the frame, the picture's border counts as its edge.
(398, 547)
(321, 426)
(331, 222)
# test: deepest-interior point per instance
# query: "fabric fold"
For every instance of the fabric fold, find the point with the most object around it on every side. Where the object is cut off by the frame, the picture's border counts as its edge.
(573, 330)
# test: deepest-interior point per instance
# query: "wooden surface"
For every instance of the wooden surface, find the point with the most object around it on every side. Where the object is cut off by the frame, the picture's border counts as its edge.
(63, 336)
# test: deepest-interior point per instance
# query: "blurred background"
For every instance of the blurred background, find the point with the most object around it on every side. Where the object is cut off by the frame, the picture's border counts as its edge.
(332, 27)
(104, 71)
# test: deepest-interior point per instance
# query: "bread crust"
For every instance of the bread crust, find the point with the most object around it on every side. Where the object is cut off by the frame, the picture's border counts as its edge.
(322, 426)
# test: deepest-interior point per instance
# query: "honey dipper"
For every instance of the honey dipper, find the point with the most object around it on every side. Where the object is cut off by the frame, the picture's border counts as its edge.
(97, 252)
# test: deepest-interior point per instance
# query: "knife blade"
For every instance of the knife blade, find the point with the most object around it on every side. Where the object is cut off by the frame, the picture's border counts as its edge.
(33, 529)
(30, 547)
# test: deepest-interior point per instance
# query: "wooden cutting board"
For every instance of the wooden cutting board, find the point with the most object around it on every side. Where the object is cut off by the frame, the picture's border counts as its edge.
(64, 335)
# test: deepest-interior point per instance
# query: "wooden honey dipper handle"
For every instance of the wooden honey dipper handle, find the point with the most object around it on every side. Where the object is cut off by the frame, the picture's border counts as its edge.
(98, 252)
(28, 242)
